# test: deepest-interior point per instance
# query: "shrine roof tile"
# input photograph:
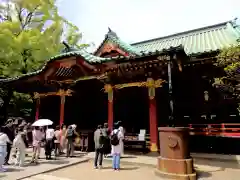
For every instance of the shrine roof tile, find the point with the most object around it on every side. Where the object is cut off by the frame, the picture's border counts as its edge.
(198, 41)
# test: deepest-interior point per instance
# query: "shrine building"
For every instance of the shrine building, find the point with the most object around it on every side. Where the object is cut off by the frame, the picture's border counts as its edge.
(157, 82)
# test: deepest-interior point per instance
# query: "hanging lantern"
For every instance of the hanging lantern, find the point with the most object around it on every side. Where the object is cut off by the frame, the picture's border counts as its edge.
(206, 96)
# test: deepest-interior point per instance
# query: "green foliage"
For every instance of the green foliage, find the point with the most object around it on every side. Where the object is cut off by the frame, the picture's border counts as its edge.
(31, 31)
(229, 59)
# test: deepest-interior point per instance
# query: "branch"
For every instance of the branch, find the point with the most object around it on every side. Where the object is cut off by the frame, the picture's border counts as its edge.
(19, 15)
(30, 16)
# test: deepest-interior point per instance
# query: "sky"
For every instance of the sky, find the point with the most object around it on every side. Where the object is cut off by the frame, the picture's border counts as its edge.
(138, 20)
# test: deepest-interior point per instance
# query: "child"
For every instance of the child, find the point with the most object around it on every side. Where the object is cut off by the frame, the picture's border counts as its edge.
(20, 146)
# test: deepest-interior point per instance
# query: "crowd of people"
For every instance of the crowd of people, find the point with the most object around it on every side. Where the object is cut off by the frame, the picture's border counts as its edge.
(109, 143)
(15, 138)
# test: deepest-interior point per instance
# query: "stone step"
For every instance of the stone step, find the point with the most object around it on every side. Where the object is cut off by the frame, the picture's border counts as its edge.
(46, 177)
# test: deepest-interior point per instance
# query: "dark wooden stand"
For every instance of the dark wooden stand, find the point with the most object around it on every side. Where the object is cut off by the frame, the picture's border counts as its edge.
(174, 161)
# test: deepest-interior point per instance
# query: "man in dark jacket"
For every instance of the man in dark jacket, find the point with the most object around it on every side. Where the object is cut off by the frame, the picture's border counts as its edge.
(99, 142)
(9, 130)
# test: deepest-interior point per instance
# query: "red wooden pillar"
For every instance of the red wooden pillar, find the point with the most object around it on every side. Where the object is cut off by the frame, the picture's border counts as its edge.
(152, 116)
(37, 109)
(62, 110)
(108, 89)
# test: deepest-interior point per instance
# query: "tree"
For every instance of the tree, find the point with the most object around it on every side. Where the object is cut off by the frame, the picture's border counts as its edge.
(229, 59)
(31, 31)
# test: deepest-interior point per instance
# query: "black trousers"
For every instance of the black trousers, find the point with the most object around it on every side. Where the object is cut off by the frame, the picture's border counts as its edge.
(98, 157)
(48, 147)
(8, 153)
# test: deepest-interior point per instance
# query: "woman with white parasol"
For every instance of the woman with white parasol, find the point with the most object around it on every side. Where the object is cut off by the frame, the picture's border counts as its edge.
(38, 137)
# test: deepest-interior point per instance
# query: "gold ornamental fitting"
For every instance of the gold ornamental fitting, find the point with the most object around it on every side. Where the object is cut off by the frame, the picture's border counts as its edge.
(151, 83)
(36, 95)
(159, 82)
(108, 88)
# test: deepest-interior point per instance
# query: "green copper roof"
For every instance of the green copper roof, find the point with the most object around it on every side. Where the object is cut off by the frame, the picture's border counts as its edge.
(112, 37)
(206, 39)
(89, 58)
(66, 53)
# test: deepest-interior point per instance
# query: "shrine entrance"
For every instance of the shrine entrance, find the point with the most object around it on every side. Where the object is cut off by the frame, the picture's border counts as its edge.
(49, 108)
(87, 107)
(131, 106)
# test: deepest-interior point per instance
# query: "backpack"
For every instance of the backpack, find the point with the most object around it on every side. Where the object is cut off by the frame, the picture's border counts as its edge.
(115, 139)
(69, 133)
(101, 138)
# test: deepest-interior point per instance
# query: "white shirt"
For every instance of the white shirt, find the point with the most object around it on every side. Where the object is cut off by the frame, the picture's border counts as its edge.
(49, 133)
(4, 139)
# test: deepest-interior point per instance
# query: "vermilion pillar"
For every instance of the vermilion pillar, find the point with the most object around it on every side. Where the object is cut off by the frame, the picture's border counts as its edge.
(37, 109)
(108, 89)
(62, 110)
(152, 116)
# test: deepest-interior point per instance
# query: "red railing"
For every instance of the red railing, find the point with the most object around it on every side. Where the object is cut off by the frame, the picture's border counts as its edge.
(223, 129)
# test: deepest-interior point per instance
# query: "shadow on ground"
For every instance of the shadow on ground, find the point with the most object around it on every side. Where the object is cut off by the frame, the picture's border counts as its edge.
(55, 162)
(2, 176)
(233, 164)
(12, 169)
(202, 174)
(123, 168)
(207, 173)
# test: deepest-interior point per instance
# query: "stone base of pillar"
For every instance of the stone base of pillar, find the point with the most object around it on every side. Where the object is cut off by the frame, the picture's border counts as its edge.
(153, 150)
(181, 170)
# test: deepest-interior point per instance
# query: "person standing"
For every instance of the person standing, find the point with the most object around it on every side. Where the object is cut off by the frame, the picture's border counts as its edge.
(116, 137)
(3, 148)
(10, 132)
(37, 139)
(63, 138)
(121, 140)
(70, 133)
(99, 147)
(57, 139)
(49, 142)
(20, 146)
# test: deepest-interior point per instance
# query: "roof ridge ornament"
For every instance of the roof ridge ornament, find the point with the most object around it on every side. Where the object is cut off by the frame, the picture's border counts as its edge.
(111, 33)
(67, 47)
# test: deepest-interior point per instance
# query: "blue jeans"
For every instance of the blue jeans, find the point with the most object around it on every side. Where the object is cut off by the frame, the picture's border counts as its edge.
(116, 161)
(3, 153)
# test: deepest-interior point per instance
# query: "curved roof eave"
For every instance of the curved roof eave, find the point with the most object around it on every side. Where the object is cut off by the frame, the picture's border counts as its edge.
(89, 58)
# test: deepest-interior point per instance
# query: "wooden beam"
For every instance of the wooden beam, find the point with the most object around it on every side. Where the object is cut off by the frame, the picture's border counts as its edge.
(154, 83)
(58, 93)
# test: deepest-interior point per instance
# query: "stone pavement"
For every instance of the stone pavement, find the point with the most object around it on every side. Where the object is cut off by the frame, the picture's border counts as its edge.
(128, 171)
(86, 170)
(17, 173)
(206, 169)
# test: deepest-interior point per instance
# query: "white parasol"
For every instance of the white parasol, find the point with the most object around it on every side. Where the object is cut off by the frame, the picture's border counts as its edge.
(42, 122)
